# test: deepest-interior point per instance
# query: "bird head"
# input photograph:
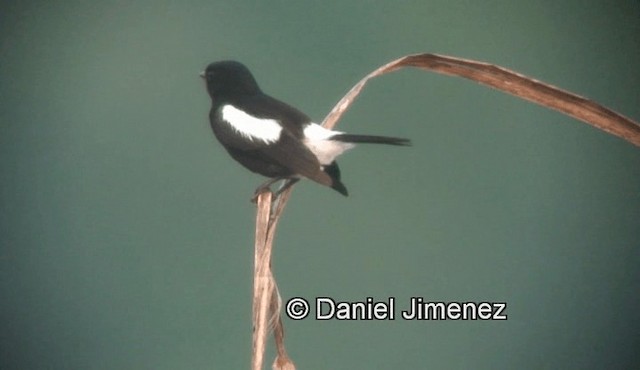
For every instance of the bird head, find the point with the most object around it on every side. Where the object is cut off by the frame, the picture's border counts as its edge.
(226, 79)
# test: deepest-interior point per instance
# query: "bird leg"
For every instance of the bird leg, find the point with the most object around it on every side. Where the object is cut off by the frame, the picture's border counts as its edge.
(266, 186)
(287, 184)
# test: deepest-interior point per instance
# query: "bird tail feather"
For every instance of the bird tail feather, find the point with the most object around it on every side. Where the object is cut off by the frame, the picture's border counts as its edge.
(371, 139)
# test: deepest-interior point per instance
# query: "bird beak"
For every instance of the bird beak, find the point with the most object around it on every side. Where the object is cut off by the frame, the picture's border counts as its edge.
(202, 74)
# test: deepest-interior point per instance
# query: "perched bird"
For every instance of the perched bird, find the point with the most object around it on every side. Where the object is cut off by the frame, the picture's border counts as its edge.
(272, 138)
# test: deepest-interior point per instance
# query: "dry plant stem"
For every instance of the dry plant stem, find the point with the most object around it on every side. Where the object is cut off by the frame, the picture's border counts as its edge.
(262, 284)
(282, 362)
(508, 81)
(266, 299)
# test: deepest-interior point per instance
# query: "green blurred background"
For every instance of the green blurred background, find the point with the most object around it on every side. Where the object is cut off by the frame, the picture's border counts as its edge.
(126, 230)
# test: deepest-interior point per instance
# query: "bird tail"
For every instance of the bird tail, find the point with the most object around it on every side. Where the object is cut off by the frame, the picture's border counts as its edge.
(334, 172)
(371, 139)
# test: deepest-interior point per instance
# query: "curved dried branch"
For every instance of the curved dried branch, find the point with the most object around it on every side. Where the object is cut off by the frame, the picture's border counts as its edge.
(508, 81)
(266, 300)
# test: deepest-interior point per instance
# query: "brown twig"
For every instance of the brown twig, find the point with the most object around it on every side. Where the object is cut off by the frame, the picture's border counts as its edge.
(508, 81)
(263, 283)
(266, 299)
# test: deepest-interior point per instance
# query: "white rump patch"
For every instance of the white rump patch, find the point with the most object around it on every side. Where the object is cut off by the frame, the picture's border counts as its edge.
(318, 140)
(253, 128)
(314, 131)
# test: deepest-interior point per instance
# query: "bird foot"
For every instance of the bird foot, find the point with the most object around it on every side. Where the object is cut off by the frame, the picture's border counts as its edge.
(267, 187)
(261, 189)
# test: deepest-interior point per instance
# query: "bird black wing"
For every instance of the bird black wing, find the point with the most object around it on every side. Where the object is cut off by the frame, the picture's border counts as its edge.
(265, 106)
(287, 156)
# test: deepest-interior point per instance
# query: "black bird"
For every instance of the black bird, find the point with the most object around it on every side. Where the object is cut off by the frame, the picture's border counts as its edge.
(272, 138)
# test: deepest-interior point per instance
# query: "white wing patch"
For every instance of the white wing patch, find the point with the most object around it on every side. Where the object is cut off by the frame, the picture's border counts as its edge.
(253, 128)
(318, 140)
